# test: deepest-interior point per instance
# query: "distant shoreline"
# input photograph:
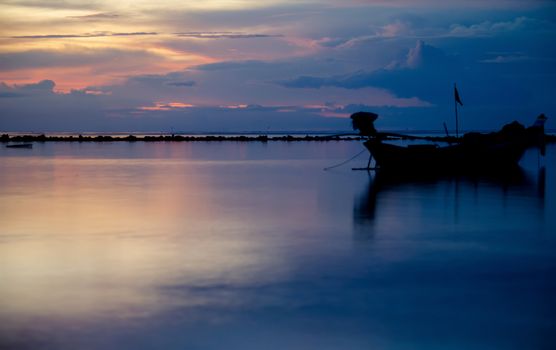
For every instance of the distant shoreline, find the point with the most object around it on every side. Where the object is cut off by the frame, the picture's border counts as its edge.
(174, 138)
(6, 138)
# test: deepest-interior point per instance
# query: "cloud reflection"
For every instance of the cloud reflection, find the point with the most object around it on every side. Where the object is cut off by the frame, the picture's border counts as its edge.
(93, 237)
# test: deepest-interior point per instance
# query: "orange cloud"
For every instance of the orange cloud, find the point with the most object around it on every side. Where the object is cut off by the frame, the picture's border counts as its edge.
(160, 106)
(102, 73)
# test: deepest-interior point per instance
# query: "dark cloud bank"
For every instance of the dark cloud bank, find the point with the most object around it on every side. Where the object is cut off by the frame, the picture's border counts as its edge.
(494, 92)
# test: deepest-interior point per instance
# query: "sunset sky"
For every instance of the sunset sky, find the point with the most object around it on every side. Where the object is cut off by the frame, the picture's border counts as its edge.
(238, 65)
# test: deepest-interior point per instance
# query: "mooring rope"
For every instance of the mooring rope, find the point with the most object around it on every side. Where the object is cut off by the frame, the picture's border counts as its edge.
(346, 161)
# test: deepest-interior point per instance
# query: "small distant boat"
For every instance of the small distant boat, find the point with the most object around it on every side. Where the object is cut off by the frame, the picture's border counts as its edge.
(20, 145)
(472, 151)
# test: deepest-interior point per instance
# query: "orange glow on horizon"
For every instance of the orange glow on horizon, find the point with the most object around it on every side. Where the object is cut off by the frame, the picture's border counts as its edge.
(81, 77)
(81, 62)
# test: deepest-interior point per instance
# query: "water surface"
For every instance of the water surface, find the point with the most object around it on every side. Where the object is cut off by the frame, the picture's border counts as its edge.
(253, 245)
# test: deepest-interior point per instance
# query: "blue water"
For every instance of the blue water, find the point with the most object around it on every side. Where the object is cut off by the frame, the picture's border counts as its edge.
(254, 246)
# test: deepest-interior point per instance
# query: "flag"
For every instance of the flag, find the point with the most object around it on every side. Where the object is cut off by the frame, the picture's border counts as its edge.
(456, 96)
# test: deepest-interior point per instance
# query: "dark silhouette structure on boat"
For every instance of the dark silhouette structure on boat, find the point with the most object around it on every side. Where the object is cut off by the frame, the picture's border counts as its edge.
(503, 148)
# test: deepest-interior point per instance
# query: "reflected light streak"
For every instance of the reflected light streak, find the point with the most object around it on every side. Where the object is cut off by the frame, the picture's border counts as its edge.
(91, 237)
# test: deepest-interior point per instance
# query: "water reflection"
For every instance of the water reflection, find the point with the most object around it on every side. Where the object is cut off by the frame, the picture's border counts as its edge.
(87, 238)
(393, 197)
(249, 246)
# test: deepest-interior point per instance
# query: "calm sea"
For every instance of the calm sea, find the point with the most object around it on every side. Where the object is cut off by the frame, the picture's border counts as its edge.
(254, 246)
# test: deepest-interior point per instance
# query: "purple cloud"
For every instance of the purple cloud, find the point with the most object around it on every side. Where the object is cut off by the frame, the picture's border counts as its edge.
(225, 35)
(421, 73)
(97, 16)
(188, 83)
(84, 35)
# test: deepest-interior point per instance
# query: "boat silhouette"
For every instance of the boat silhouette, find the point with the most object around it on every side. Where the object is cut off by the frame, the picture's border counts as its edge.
(501, 149)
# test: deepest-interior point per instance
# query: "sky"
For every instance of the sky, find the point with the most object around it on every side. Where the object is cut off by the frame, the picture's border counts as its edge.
(274, 65)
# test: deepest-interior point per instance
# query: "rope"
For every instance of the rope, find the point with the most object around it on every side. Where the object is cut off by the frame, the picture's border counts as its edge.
(346, 161)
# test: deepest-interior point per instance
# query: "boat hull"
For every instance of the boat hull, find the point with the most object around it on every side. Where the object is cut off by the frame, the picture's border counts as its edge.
(455, 156)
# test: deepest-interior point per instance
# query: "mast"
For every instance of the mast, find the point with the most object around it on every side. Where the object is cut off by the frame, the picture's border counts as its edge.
(457, 100)
(456, 109)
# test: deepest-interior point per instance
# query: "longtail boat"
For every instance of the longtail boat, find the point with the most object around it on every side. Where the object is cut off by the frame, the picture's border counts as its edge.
(503, 148)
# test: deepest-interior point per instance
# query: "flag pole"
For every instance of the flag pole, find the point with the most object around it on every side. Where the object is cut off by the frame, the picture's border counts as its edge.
(456, 109)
